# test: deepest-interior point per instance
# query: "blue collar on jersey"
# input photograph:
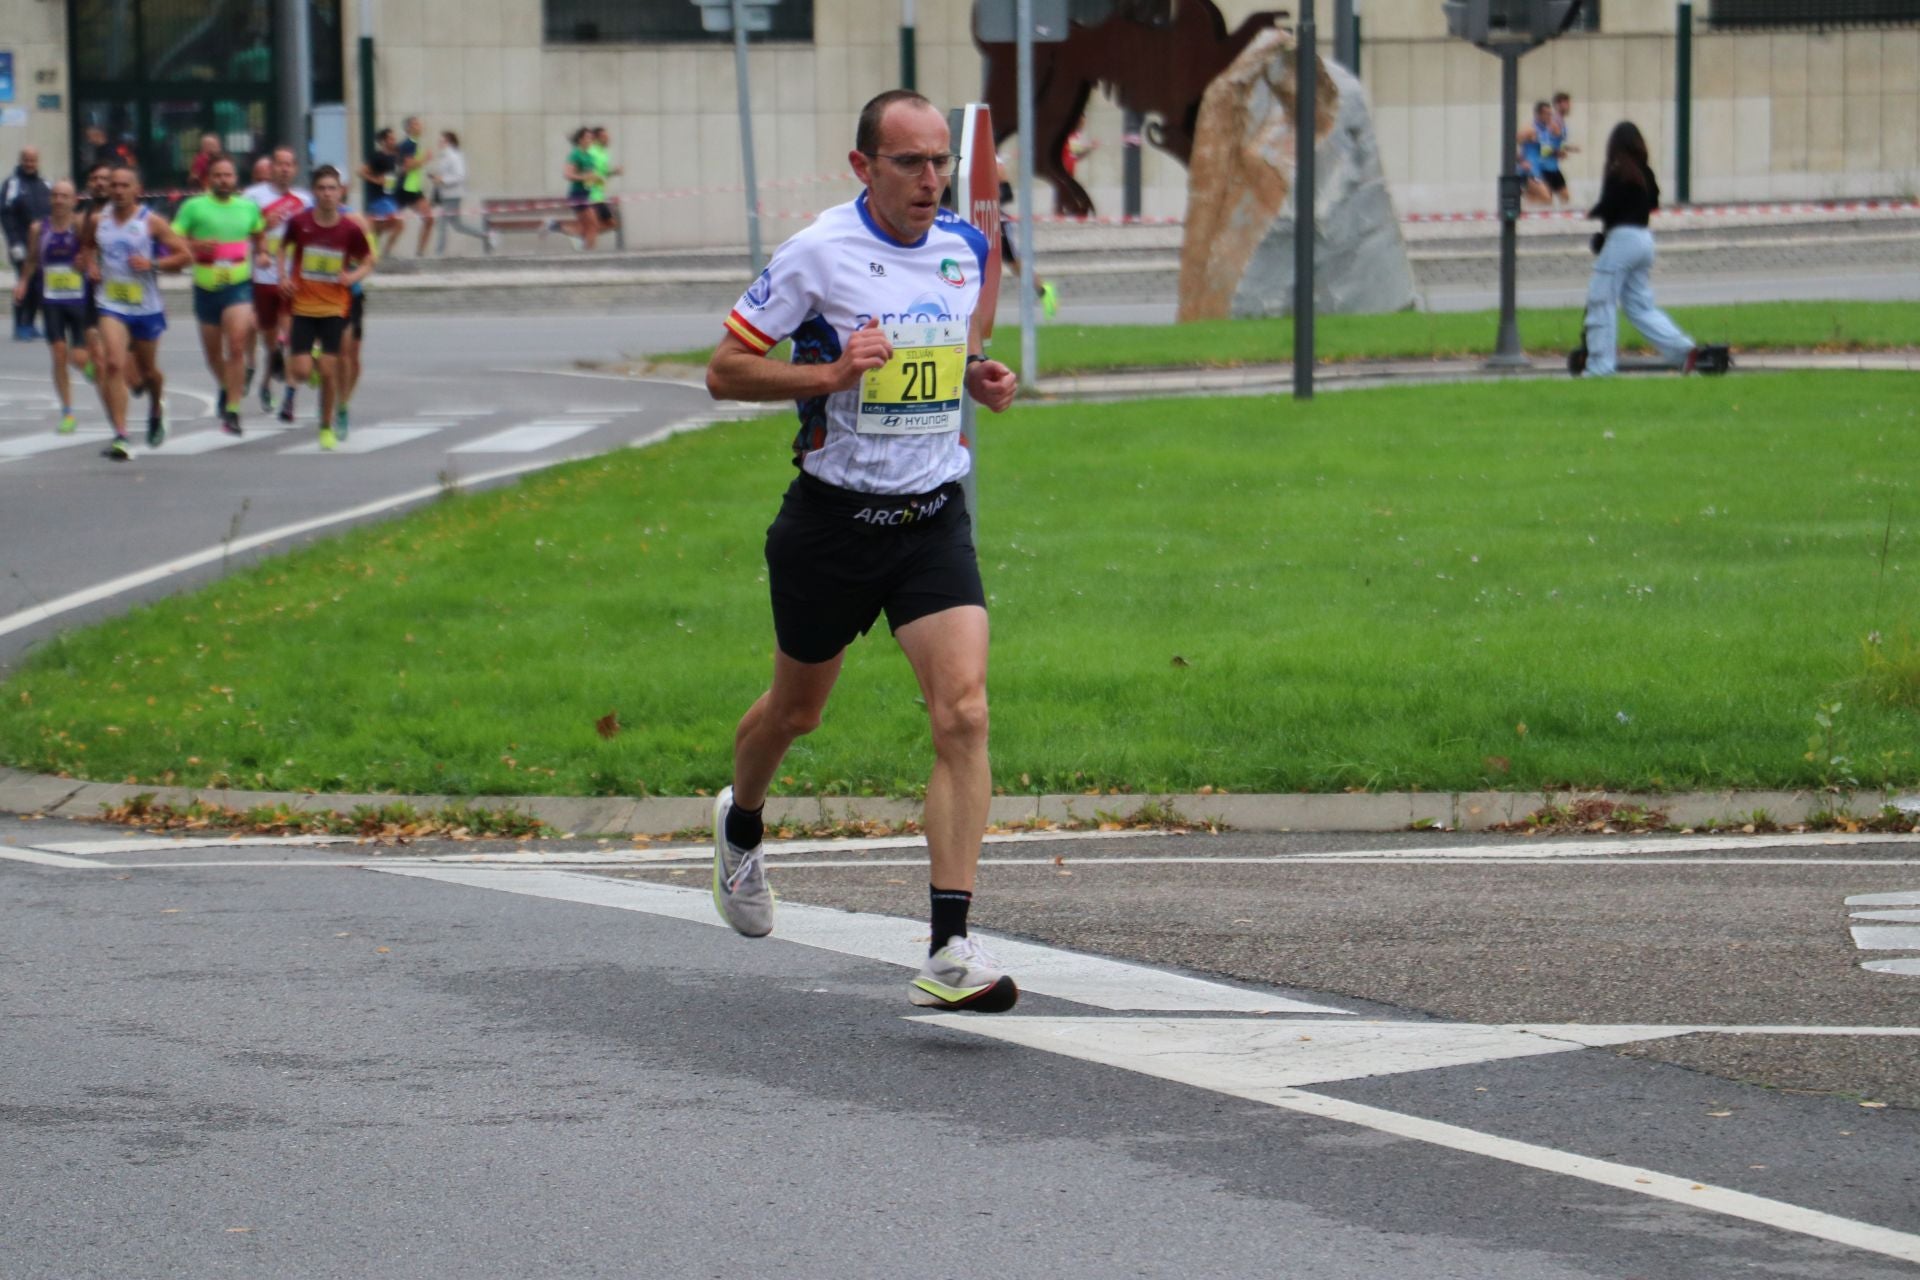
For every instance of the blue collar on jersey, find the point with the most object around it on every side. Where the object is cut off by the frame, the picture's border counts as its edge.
(879, 233)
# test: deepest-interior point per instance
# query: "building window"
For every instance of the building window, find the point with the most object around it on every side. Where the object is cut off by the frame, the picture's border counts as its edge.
(658, 22)
(1588, 19)
(1735, 14)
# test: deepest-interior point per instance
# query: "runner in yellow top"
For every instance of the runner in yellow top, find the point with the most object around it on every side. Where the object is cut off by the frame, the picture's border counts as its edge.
(225, 232)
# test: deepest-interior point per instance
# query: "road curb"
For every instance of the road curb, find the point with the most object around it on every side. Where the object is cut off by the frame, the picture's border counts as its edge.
(30, 793)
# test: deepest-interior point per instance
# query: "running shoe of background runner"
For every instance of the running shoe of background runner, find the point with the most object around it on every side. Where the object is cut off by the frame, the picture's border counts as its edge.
(230, 423)
(962, 976)
(157, 427)
(68, 424)
(117, 449)
(327, 439)
(340, 422)
(1049, 300)
(740, 891)
(286, 406)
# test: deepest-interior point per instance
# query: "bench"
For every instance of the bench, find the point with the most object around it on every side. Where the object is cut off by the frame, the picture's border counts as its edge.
(534, 215)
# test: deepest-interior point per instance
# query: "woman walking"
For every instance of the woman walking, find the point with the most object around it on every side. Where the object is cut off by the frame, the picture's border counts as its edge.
(1628, 193)
(449, 174)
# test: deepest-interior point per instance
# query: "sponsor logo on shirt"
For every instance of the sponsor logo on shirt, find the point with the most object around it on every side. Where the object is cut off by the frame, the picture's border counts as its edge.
(951, 273)
(875, 269)
(761, 290)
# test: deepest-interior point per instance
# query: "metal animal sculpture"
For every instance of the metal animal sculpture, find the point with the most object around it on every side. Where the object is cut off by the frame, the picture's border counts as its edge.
(1155, 57)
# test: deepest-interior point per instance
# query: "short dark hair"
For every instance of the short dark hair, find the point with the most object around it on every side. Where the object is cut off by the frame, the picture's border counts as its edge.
(450, 136)
(867, 135)
(1562, 95)
(326, 171)
(1542, 105)
(386, 131)
(98, 165)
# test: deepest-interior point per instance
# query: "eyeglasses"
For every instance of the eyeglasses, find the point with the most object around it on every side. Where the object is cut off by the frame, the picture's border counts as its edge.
(912, 165)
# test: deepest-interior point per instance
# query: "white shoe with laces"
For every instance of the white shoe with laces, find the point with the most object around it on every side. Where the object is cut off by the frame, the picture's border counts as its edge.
(740, 891)
(963, 976)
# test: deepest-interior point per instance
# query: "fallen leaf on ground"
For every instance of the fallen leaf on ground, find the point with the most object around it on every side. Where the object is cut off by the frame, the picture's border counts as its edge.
(608, 725)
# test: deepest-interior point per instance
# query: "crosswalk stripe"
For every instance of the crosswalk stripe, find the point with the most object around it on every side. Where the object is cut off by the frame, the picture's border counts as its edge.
(369, 439)
(27, 446)
(529, 437)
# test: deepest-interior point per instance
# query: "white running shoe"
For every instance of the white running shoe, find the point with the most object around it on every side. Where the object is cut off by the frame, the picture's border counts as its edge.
(962, 976)
(740, 891)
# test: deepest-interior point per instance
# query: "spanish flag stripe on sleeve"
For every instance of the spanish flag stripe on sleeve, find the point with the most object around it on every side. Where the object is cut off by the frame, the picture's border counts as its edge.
(740, 329)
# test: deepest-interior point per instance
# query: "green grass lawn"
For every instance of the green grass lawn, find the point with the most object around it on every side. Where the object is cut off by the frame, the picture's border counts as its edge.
(1420, 335)
(1652, 583)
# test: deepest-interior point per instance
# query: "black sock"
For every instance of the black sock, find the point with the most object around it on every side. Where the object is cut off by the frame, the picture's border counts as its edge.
(949, 915)
(744, 828)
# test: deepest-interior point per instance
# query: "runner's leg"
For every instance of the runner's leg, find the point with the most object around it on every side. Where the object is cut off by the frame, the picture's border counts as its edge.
(236, 328)
(948, 652)
(146, 363)
(62, 378)
(114, 372)
(789, 709)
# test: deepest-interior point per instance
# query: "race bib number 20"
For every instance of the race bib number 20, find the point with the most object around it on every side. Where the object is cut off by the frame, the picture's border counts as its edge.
(917, 392)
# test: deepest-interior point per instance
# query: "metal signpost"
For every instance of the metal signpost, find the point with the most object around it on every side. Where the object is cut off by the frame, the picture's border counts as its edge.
(976, 197)
(1306, 136)
(1044, 21)
(1509, 29)
(740, 17)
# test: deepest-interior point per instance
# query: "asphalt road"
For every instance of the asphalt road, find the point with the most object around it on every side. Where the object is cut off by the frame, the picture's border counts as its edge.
(247, 1061)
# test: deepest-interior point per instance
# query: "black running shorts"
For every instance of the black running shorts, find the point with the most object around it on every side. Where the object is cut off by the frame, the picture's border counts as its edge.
(357, 316)
(1555, 180)
(64, 322)
(307, 330)
(837, 559)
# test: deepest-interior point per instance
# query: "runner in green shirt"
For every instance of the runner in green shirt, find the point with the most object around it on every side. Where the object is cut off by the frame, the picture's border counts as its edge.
(225, 232)
(601, 156)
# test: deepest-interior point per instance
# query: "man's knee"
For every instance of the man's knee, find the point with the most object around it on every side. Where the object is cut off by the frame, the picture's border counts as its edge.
(960, 723)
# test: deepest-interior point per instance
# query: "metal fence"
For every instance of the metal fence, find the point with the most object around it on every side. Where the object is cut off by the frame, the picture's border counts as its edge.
(1817, 14)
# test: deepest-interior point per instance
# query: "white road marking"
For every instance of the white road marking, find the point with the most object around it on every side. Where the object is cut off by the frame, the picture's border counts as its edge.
(463, 412)
(191, 445)
(1256, 1061)
(610, 410)
(1907, 917)
(1903, 898)
(529, 437)
(132, 581)
(38, 858)
(1907, 968)
(370, 439)
(28, 446)
(1084, 979)
(1887, 937)
(152, 844)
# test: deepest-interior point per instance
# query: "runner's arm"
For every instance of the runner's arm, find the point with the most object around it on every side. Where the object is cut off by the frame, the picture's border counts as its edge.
(737, 372)
(30, 264)
(178, 255)
(987, 380)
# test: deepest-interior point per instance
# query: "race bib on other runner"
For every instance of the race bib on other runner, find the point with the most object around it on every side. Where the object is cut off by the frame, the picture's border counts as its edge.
(219, 276)
(129, 293)
(918, 391)
(62, 284)
(322, 266)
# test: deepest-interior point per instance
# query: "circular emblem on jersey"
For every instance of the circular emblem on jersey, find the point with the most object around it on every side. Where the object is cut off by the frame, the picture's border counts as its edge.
(951, 273)
(762, 289)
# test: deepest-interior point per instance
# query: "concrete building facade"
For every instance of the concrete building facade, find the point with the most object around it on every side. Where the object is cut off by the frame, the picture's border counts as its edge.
(1787, 113)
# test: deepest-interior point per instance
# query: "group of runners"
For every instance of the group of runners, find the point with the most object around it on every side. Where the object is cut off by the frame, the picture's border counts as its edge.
(276, 268)
(1543, 144)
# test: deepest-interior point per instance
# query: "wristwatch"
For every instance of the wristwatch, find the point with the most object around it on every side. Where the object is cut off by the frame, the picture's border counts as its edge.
(975, 359)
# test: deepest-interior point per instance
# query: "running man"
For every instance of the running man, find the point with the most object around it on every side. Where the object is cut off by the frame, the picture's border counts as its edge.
(324, 253)
(226, 233)
(878, 296)
(53, 251)
(279, 200)
(600, 154)
(411, 190)
(123, 243)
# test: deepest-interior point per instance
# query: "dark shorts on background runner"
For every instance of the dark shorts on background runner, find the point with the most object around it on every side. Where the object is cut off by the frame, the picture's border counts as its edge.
(836, 560)
(604, 212)
(65, 322)
(268, 302)
(357, 316)
(1554, 179)
(325, 330)
(140, 328)
(210, 305)
(408, 199)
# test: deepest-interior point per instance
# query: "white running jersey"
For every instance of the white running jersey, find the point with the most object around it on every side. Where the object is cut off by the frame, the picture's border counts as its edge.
(124, 291)
(829, 280)
(277, 208)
